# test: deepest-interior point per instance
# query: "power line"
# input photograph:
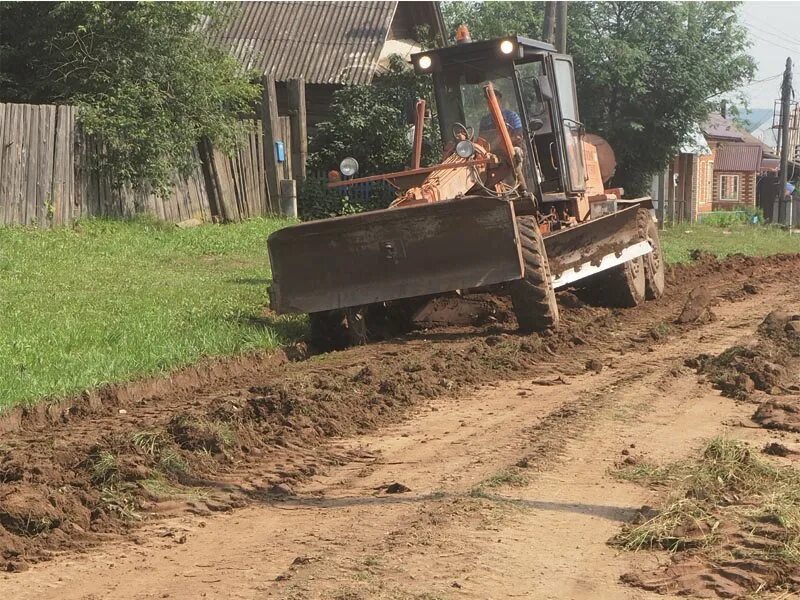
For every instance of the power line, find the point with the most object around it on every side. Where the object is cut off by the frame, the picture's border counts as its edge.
(775, 43)
(766, 79)
(784, 36)
(781, 37)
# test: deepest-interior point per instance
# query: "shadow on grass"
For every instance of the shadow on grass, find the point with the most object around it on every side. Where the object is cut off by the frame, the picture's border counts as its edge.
(289, 329)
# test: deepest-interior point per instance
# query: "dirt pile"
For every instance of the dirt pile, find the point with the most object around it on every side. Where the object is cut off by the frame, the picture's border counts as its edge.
(731, 522)
(696, 577)
(766, 371)
(767, 364)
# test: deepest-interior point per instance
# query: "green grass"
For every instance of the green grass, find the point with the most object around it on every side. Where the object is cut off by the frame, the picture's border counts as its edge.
(680, 240)
(110, 301)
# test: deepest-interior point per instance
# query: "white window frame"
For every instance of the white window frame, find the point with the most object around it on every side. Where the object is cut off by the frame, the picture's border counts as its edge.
(709, 182)
(735, 184)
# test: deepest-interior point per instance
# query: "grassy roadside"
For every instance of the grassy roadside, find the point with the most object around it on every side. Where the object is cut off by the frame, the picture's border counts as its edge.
(680, 240)
(110, 301)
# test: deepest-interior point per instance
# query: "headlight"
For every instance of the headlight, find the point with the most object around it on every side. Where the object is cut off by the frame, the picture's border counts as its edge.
(349, 166)
(506, 46)
(465, 149)
(425, 62)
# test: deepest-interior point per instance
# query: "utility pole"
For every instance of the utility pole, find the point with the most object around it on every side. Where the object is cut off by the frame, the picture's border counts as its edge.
(786, 94)
(549, 27)
(561, 26)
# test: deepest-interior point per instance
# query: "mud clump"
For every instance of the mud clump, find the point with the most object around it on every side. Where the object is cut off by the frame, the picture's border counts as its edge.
(768, 364)
(28, 510)
(695, 576)
(196, 434)
(778, 449)
(697, 308)
(739, 294)
(783, 414)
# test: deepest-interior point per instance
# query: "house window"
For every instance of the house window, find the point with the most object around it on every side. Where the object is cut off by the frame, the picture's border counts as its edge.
(729, 187)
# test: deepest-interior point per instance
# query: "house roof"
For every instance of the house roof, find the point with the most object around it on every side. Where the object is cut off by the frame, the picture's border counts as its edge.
(720, 129)
(323, 42)
(696, 143)
(738, 157)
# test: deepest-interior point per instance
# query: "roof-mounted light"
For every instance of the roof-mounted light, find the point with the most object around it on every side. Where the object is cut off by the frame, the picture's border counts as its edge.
(506, 46)
(462, 35)
(425, 62)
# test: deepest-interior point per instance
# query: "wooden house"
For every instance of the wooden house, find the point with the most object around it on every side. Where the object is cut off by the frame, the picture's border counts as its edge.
(328, 44)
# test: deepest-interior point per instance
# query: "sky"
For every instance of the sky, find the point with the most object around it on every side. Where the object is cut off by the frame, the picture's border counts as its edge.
(775, 32)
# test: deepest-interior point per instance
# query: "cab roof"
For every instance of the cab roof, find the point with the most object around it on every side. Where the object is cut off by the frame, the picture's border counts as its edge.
(484, 49)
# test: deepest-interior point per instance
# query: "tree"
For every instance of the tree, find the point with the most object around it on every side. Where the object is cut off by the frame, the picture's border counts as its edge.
(645, 71)
(143, 75)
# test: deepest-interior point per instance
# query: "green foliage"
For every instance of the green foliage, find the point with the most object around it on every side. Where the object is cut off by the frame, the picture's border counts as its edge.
(111, 301)
(645, 71)
(744, 214)
(368, 122)
(146, 80)
(318, 202)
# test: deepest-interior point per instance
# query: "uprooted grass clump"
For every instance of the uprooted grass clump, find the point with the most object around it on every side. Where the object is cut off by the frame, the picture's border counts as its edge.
(721, 503)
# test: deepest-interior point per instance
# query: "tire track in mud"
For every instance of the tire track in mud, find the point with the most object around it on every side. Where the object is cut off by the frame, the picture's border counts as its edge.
(254, 434)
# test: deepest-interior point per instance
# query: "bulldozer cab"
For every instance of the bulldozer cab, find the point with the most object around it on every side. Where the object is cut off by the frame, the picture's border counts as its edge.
(535, 87)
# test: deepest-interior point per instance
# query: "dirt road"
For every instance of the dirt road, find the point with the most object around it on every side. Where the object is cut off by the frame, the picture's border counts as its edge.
(488, 477)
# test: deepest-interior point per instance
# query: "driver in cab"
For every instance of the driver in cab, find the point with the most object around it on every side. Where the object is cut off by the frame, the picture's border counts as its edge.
(489, 132)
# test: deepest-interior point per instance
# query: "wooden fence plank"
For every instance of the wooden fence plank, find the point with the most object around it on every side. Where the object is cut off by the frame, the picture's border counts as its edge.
(11, 147)
(22, 173)
(19, 140)
(45, 177)
(58, 184)
(29, 212)
(299, 136)
(4, 159)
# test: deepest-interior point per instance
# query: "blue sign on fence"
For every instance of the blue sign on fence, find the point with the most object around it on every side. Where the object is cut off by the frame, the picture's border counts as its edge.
(280, 151)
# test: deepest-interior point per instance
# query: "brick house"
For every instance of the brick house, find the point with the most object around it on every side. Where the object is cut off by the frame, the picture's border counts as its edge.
(719, 169)
(738, 160)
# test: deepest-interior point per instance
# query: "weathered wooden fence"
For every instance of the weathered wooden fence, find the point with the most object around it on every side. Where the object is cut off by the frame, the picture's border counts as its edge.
(48, 175)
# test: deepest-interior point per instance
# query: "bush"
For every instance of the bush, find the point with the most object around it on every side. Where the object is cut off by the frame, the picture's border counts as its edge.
(316, 201)
(743, 214)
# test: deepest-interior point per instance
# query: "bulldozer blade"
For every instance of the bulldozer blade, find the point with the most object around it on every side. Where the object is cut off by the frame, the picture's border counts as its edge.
(392, 254)
(597, 245)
